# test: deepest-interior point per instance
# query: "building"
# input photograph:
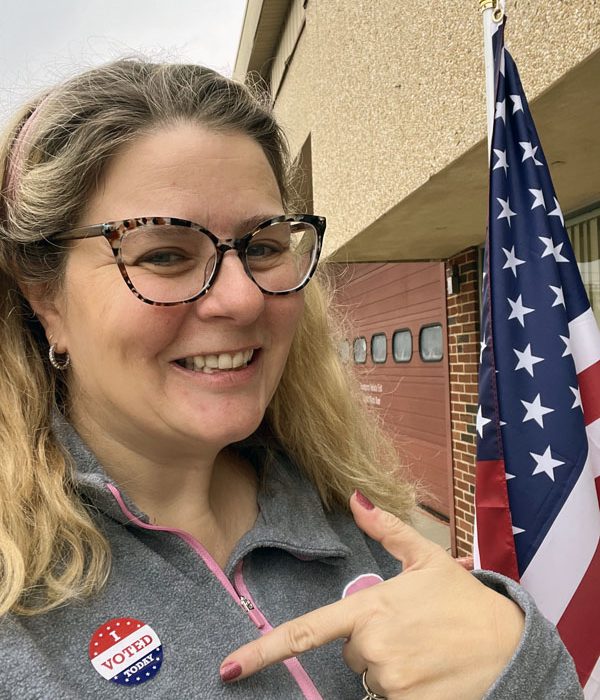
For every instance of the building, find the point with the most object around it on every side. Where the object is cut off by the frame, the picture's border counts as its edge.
(384, 106)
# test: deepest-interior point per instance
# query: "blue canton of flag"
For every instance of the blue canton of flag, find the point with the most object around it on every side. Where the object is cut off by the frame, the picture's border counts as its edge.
(538, 518)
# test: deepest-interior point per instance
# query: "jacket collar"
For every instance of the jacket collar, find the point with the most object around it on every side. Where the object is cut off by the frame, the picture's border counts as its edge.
(291, 515)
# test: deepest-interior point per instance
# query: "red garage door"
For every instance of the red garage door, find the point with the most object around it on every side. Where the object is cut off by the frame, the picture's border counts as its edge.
(398, 343)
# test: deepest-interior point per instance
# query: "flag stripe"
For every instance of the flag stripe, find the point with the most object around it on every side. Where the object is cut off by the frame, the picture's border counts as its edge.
(585, 346)
(494, 528)
(557, 559)
(589, 381)
(585, 340)
(591, 690)
(579, 625)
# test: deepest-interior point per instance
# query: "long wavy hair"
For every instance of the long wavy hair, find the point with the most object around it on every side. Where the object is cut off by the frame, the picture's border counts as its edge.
(50, 549)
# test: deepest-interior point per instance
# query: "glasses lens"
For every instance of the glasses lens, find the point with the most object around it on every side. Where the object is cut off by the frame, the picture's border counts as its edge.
(168, 263)
(282, 256)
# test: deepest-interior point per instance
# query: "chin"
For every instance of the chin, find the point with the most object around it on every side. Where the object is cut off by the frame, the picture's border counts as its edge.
(224, 434)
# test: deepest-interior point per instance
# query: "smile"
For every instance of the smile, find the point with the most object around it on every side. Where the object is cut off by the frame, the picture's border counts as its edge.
(224, 361)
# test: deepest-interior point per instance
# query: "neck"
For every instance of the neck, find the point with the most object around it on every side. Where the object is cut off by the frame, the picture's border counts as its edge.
(209, 494)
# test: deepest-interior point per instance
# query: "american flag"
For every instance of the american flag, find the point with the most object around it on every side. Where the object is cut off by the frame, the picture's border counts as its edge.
(538, 423)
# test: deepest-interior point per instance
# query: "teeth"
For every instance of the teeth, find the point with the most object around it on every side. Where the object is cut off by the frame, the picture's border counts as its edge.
(211, 361)
(223, 361)
(238, 359)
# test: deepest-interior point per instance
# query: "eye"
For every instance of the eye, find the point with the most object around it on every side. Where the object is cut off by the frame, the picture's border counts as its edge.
(162, 258)
(265, 248)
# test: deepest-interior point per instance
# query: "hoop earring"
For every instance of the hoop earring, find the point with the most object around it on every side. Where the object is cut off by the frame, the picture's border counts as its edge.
(61, 364)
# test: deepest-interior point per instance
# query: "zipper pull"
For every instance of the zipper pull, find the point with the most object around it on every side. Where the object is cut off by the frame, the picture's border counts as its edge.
(253, 613)
(246, 604)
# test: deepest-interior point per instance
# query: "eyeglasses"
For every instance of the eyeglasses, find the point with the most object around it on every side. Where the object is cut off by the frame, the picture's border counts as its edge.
(167, 261)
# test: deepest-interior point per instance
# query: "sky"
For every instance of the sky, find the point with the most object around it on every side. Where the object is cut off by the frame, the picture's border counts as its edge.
(43, 42)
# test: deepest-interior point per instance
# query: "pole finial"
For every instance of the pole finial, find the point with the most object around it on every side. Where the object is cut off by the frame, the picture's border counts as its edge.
(497, 7)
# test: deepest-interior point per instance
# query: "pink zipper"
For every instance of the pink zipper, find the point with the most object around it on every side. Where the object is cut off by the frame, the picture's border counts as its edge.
(294, 666)
(239, 593)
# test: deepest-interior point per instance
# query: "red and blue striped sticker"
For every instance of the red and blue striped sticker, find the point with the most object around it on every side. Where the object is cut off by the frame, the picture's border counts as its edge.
(126, 651)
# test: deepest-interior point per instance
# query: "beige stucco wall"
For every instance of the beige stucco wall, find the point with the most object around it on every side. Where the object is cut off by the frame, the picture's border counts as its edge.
(392, 91)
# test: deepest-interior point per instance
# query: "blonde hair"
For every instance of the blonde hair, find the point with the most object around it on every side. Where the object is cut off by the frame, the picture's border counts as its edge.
(319, 416)
(50, 549)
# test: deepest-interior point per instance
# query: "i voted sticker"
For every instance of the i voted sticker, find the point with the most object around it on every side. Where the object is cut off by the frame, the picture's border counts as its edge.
(126, 651)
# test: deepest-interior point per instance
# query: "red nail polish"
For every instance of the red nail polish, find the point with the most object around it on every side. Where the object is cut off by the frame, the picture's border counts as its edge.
(363, 500)
(230, 671)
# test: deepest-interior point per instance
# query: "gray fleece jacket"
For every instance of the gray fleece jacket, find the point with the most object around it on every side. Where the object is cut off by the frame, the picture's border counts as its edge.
(168, 615)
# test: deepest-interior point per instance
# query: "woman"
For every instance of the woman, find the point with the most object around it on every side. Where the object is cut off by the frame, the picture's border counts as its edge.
(184, 463)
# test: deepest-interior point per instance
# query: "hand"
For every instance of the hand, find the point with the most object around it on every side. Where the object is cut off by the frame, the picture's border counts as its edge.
(434, 631)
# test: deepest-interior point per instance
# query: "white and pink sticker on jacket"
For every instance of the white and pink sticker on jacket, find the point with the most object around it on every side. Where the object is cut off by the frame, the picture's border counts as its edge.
(126, 651)
(361, 582)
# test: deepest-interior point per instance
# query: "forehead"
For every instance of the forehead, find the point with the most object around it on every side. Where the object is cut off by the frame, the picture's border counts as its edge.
(187, 171)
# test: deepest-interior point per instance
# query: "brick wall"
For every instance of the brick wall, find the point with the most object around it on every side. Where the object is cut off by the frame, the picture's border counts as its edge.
(463, 356)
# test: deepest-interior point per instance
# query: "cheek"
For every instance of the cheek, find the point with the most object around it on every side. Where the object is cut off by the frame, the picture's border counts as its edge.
(285, 318)
(115, 324)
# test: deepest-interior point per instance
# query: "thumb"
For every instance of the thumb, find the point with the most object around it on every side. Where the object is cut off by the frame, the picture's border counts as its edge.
(400, 539)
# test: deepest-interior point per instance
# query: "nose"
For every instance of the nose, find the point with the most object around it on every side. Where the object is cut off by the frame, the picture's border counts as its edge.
(233, 294)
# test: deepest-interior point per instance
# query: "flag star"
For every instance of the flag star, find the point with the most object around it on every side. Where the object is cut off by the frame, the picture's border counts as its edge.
(567, 341)
(512, 261)
(518, 310)
(545, 464)
(481, 422)
(482, 347)
(501, 162)
(577, 395)
(517, 530)
(551, 249)
(501, 111)
(509, 476)
(529, 152)
(538, 200)
(557, 211)
(560, 297)
(506, 212)
(517, 103)
(526, 359)
(558, 256)
(535, 411)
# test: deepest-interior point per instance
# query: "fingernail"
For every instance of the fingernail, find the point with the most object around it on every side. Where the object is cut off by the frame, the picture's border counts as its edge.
(230, 671)
(363, 500)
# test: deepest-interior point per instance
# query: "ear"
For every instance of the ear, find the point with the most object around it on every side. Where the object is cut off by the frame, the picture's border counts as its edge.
(48, 308)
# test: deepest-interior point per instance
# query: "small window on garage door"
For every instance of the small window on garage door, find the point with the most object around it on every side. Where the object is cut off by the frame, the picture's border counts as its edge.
(379, 348)
(344, 351)
(431, 347)
(402, 345)
(360, 350)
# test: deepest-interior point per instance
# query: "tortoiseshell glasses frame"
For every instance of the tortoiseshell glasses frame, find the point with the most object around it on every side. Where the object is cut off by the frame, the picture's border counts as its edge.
(116, 231)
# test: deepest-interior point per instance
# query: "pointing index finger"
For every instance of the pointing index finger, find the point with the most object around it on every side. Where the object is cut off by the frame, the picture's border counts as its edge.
(301, 634)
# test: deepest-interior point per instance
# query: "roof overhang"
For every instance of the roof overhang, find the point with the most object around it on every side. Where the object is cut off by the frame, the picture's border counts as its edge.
(448, 213)
(263, 23)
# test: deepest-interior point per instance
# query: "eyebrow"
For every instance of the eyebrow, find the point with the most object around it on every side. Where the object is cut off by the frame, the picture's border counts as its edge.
(252, 222)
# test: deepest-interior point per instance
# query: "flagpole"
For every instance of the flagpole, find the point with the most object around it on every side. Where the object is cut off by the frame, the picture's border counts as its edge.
(492, 12)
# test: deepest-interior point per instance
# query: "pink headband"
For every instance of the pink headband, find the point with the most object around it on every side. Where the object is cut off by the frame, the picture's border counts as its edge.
(17, 152)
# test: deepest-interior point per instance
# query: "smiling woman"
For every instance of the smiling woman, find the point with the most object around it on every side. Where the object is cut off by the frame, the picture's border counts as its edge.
(176, 426)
